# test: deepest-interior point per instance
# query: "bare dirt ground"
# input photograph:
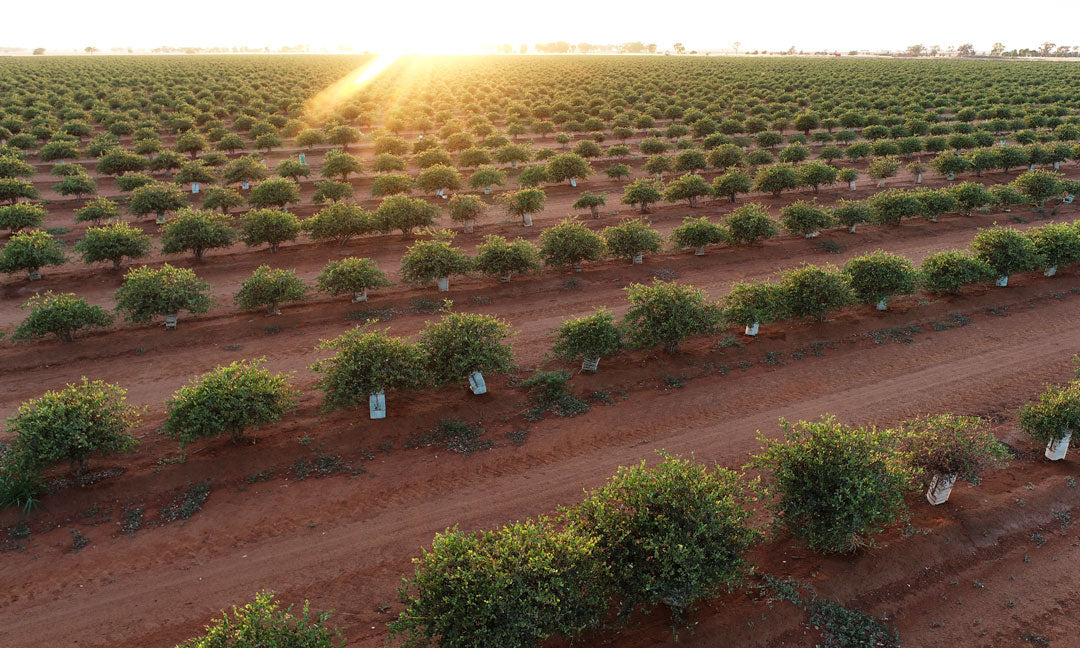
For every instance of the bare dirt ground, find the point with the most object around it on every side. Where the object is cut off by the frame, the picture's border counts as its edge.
(990, 568)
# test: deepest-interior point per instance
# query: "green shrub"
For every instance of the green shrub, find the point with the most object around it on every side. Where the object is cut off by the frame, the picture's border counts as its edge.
(274, 193)
(688, 187)
(426, 261)
(698, 233)
(632, 237)
(591, 201)
(270, 226)
(228, 400)
(1057, 244)
(339, 222)
(367, 362)
(749, 224)
(747, 304)
(405, 214)
(833, 486)
(776, 178)
(147, 293)
(462, 343)
(197, 230)
(113, 242)
(951, 270)
(879, 275)
(733, 182)
(643, 192)
(524, 202)
(510, 588)
(893, 205)
(812, 291)
(262, 623)
(268, 288)
(592, 336)
(22, 215)
(1006, 250)
(850, 213)
(1040, 185)
(30, 250)
(802, 218)
(666, 313)
(971, 196)
(672, 534)
(97, 210)
(948, 444)
(935, 202)
(497, 257)
(60, 315)
(1056, 411)
(351, 276)
(570, 243)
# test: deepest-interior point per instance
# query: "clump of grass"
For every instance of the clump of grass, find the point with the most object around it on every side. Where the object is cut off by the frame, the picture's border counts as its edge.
(320, 465)
(673, 381)
(548, 392)
(840, 627)
(830, 247)
(132, 520)
(186, 504)
(456, 436)
(78, 541)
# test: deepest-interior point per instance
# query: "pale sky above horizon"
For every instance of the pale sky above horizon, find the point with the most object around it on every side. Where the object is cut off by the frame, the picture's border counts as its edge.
(426, 26)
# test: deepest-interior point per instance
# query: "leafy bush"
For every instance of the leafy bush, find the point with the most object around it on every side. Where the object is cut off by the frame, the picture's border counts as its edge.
(667, 313)
(275, 192)
(747, 304)
(688, 187)
(511, 588)
(643, 192)
(592, 336)
(893, 205)
(631, 237)
(776, 178)
(156, 198)
(228, 400)
(850, 213)
(935, 202)
(949, 444)
(802, 218)
(524, 202)
(270, 226)
(462, 343)
(1056, 411)
(339, 222)
(698, 233)
(733, 182)
(197, 230)
(971, 196)
(147, 293)
(1006, 250)
(72, 424)
(113, 242)
(428, 260)
(22, 215)
(570, 243)
(263, 623)
(879, 275)
(30, 250)
(1057, 244)
(951, 270)
(270, 287)
(465, 208)
(497, 257)
(96, 210)
(60, 315)
(833, 486)
(367, 362)
(351, 276)
(591, 201)
(1040, 185)
(812, 291)
(404, 213)
(749, 224)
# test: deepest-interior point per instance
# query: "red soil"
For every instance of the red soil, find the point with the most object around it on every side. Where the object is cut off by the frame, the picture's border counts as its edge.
(343, 541)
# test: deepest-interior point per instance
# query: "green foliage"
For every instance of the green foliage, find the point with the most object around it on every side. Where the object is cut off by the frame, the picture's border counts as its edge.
(812, 291)
(438, 176)
(30, 250)
(331, 191)
(1040, 185)
(275, 192)
(948, 444)
(631, 237)
(1056, 411)
(96, 210)
(497, 257)
(592, 336)
(60, 315)
(462, 343)
(642, 192)
(339, 222)
(389, 184)
(293, 169)
(428, 260)
(228, 400)
(510, 588)
(1006, 250)
(688, 187)
(883, 167)
(147, 293)
(22, 215)
(570, 243)
(533, 176)
(268, 287)
(951, 270)
(133, 181)
(156, 198)
(893, 205)
(672, 534)
(815, 174)
(567, 166)
(698, 233)
(776, 178)
(245, 169)
(262, 623)
(747, 304)
(525, 201)
(802, 218)
(465, 207)
(113, 242)
(833, 486)
(350, 276)
(118, 162)
(880, 275)
(405, 214)
(749, 224)
(1057, 244)
(77, 185)
(591, 201)
(71, 425)
(971, 195)
(197, 230)
(486, 176)
(12, 189)
(850, 213)
(367, 362)
(733, 182)
(666, 313)
(270, 226)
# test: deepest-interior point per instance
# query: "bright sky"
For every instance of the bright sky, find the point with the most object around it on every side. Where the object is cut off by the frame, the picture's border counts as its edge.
(435, 26)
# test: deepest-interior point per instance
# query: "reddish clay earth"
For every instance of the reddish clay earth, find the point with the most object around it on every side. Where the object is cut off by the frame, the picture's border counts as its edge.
(969, 573)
